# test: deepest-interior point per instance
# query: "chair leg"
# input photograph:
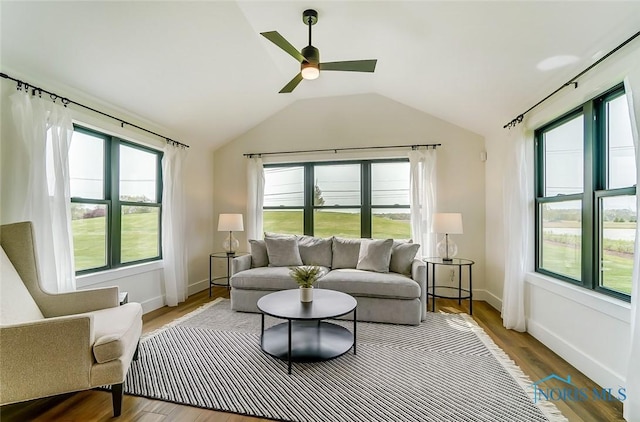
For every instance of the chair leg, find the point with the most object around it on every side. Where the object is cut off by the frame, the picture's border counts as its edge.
(116, 398)
(135, 354)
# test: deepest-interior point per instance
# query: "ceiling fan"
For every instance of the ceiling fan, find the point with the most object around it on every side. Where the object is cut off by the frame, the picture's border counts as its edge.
(309, 57)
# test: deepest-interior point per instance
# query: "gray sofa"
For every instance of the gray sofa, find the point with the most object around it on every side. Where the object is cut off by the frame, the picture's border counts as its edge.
(383, 275)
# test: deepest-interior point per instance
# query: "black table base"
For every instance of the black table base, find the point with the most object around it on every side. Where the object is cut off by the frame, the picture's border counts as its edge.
(311, 341)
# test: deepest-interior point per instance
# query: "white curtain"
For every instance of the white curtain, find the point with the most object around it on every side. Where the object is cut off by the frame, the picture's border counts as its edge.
(45, 130)
(255, 200)
(422, 164)
(632, 404)
(174, 250)
(517, 222)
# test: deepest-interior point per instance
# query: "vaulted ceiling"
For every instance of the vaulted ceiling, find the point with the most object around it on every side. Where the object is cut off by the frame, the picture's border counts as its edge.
(202, 71)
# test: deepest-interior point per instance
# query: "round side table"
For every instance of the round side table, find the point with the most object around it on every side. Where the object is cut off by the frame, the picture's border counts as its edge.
(214, 281)
(463, 293)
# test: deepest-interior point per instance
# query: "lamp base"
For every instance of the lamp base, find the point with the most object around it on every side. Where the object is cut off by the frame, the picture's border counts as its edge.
(230, 244)
(447, 249)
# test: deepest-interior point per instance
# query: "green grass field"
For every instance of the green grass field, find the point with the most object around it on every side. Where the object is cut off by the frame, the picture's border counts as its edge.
(340, 224)
(139, 239)
(565, 259)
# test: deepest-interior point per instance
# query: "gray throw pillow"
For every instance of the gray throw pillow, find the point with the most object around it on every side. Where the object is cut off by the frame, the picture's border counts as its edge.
(345, 253)
(315, 251)
(283, 251)
(402, 256)
(259, 257)
(375, 255)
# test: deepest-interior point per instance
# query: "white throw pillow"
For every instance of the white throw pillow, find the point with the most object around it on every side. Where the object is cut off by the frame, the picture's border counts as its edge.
(16, 303)
(375, 255)
(283, 251)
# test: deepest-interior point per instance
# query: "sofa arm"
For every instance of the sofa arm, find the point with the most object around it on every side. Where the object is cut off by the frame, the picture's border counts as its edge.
(45, 357)
(240, 263)
(80, 301)
(419, 275)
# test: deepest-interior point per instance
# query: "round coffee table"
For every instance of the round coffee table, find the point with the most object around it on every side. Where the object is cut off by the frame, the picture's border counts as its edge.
(305, 337)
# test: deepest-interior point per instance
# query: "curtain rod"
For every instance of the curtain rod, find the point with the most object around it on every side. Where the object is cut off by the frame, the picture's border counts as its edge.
(335, 150)
(66, 101)
(572, 81)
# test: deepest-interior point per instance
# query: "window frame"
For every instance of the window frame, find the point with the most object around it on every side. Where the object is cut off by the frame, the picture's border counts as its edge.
(595, 187)
(365, 207)
(111, 198)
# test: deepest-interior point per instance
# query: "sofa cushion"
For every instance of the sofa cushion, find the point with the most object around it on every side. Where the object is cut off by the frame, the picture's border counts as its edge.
(16, 303)
(315, 251)
(283, 251)
(115, 329)
(259, 257)
(375, 255)
(345, 253)
(266, 278)
(370, 284)
(402, 255)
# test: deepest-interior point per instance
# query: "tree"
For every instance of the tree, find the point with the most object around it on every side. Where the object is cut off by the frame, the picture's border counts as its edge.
(318, 200)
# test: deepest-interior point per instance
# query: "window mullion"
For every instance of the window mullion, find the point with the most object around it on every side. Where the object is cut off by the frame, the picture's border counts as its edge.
(365, 193)
(309, 190)
(589, 260)
(115, 213)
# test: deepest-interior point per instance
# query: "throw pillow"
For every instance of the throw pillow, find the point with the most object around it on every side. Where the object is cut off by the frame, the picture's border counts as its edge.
(375, 255)
(315, 251)
(283, 251)
(345, 253)
(259, 257)
(402, 256)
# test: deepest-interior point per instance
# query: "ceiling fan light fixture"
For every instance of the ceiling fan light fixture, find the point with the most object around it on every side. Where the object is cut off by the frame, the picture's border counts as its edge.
(309, 71)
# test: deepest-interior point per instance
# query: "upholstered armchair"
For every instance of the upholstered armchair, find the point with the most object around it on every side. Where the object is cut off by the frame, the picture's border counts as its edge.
(58, 343)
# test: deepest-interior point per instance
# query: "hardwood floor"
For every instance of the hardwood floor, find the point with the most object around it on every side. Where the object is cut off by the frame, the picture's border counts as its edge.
(530, 355)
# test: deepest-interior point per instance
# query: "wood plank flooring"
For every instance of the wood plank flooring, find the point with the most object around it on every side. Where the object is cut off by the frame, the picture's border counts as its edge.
(535, 360)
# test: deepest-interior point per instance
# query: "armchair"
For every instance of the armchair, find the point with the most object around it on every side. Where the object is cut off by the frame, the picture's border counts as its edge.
(58, 343)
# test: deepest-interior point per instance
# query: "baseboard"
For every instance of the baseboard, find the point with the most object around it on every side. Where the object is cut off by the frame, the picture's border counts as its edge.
(152, 304)
(198, 286)
(593, 369)
(488, 297)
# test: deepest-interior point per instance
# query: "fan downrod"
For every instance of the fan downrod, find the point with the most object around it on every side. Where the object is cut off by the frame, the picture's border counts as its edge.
(310, 16)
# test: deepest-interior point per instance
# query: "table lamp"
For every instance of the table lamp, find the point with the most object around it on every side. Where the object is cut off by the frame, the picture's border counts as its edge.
(230, 223)
(447, 223)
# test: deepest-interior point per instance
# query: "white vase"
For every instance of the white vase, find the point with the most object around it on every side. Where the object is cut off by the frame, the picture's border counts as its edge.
(306, 294)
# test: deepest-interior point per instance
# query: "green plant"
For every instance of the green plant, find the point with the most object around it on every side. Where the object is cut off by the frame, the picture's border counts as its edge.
(305, 275)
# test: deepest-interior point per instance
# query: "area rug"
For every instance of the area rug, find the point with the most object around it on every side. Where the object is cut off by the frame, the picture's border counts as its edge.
(446, 369)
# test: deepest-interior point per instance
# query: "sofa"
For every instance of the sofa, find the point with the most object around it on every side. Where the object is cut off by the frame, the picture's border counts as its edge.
(383, 275)
(58, 343)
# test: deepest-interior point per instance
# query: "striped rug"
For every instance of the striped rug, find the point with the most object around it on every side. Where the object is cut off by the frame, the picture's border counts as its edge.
(446, 369)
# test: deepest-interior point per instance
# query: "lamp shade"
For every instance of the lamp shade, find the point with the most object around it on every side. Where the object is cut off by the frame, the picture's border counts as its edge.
(447, 222)
(230, 223)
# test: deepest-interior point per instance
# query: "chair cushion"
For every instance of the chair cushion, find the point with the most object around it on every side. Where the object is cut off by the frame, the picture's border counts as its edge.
(16, 304)
(370, 284)
(114, 329)
(265, 278)
(375, 255)
(315, 250)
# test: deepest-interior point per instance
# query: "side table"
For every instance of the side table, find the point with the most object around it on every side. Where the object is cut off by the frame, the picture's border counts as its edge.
(463, 293)
(213, 281)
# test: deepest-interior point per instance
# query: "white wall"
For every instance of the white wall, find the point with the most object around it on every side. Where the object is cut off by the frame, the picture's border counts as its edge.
(356, 121)
(589, 330)
(144, 282)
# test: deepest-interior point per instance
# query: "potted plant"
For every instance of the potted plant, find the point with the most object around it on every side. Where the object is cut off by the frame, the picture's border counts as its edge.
(305, 276)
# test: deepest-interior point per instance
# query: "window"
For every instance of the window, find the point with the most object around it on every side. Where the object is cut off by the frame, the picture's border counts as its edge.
(116, 195)
(585, 196)
(346, 199)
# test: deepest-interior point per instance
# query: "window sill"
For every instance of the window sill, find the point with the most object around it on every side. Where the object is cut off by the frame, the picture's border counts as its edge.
(110, 275)
(607, 305)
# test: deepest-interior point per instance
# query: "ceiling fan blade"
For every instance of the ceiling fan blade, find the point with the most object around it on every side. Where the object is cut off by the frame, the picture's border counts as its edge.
(281, 42)
(292, 84)
(351, 66)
